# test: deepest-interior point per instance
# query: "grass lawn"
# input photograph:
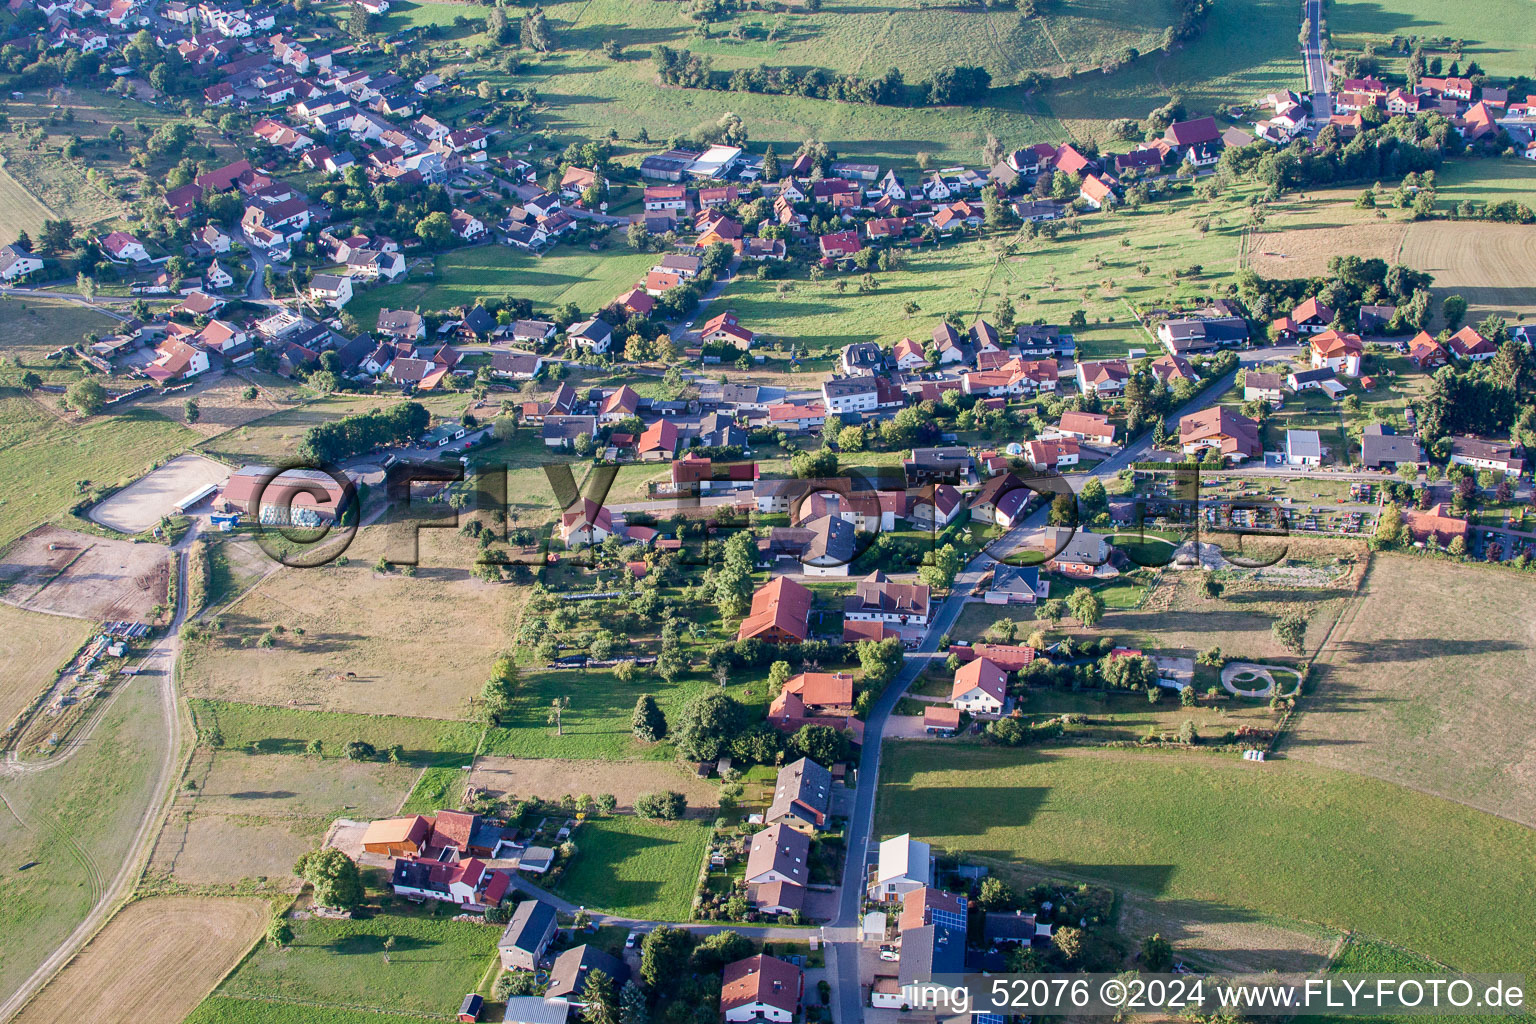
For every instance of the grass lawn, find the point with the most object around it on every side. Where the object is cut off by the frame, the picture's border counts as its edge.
(36, 327)
(1284, 839)
(636, 868)
(1090, 270)
(228, 1010)
(1127, 717)
(43, 458)
(277, 436)
(566, 274)
(345, 964)
(23, 211)
(1501, 46)
(1438, 703)
(76, 821)
(1362, 955)
(426, 741)
(1149, 548)
(434, 789)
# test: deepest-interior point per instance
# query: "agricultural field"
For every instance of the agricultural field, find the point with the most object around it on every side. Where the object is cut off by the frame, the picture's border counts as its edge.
(1405, 693)
(1491, 265)
(636, 868)
(516, 778)
(1301, 234)
(344, 964)
(458, 278)
(33, 647)
(1046, 279)
(276, 436)
(22, 210)
(75, 823)
(1501, 46)
(221, 404)
(328, 652)
(228, 1010)
(1352, 852)
(59, 460)
(250, 816)
(153, 963)
(1247, 50)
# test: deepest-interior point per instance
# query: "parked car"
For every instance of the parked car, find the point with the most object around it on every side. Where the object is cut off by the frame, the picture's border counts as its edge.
(631, 939)
(890, 953)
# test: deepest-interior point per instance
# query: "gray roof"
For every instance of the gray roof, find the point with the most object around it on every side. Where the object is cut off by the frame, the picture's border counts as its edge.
(805, 783)
(569, 973)
(1380, 444)
(536, 1010)
(1015, 579)
(842, 386)
(1300, 443)
(531, 923)
(930, 950)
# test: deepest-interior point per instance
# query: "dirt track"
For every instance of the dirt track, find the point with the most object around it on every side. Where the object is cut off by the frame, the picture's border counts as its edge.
(85, 577)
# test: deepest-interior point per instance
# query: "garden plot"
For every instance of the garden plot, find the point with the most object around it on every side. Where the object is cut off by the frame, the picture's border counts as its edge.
(84, 577)
(149, 499)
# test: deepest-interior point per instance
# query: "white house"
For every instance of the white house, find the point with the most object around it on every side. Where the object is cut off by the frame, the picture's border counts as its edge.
(16, 263)
(1303, 448)
(123, 247)
(334, 290)
(850, 394)
(980, 687)
(217, 277)
(760, 988)
(905, 864)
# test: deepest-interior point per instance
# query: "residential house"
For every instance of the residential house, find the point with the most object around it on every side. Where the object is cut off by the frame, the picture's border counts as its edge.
(508, 364)
(560, 430)
(1435, 526)
(779, 853)
(467, 883)
(1310, 317)
(726, 329)
(527, 935)
(594, 336)
(840, 244)
(947, 344)
(657, 442)
(1482, 453)
(780, 613)
(761, 989)
(802, 797)
(586, 522)
(877, 598)
(176, 361)
(814, 698)
(1051, 455)
(937, 465)
(402, 324)
(619, 404)
(1266, 387)
(1015, 584)
(1303, 448)
(842, 395)
(1426, 353)
(1341, 353)
(909, 355)
(1076, 553)
(332, 290)
(935, 506)
(1381, 447)
(1096, 193)
(568, 974)
(123, 247)
(1107, 377)
(1468, 344)
(1092, 427)
(1002, 500)
(1233, 435)
(904, 864)
(17, 262)
(980, 687)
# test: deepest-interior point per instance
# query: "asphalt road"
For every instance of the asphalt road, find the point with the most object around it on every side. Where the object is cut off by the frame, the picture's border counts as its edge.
(1312, 55)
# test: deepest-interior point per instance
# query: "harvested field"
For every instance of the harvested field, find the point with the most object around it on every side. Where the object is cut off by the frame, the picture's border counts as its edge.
(144, 502)
(153, 963)
(252, 815)
(253, 853)
(1441, 703)
(220, 404)
(85, 577)
(373, 644)
(1300, 237)
(552, 778)
(1491, 265)
(33, 647)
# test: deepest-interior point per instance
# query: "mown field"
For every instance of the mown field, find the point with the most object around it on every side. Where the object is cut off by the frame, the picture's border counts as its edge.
(276, 436)
(1439, 703)
(230, 1010)
(20, 210)
(1489, 265)
(345, 965)
(1503, 46)
(1090, 270)
(355, 640)
(45, 459)
(74, 823)
(287, 731)
(33, 647)
(636, 868)
(153, 963)
(1284, 839)
(589, 279)
(35, 327)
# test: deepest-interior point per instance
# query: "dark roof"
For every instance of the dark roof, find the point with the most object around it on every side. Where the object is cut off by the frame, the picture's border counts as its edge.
(1381, 444)
(571, 968)
(530, 923)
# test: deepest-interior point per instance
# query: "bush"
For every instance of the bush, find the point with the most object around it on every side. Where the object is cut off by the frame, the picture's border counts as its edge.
(514, 983)
(360, 750)
(668, 805)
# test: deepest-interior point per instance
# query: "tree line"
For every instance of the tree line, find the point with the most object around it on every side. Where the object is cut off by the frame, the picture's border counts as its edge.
(961, 84)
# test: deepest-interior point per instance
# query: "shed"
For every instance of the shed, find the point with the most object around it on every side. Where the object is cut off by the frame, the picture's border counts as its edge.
(469, 1009)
